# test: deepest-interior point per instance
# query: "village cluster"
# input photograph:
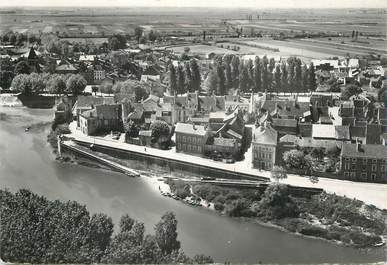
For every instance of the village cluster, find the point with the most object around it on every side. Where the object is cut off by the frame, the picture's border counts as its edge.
(326, 118)
(344, 137)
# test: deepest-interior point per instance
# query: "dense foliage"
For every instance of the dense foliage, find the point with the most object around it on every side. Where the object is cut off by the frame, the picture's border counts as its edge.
(324, 215)
(36, 230)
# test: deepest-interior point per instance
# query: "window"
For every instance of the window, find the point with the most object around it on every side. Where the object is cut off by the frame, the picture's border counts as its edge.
(374, 161)
(353, 159)
(364, 167)
(346, 174)
(353, 166)
(199, 149)
(364, 160)
(353, 175)
(364, 175)
(346, 166)
(347, 159)
(184, 139)
(373, 176)
(373, 167)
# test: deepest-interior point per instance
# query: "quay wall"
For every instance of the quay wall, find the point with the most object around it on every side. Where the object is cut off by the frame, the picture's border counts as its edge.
(171, 165)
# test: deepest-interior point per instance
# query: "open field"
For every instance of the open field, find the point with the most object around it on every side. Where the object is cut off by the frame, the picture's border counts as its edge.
(201, 49)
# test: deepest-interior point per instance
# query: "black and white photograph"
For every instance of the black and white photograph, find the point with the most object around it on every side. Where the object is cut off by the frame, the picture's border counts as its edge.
(193, 132)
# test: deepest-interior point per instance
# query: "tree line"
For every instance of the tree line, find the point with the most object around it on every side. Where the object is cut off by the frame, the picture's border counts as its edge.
(260, 75)
(36, 230)
(184, 78)
(35, 83)
(230, 72)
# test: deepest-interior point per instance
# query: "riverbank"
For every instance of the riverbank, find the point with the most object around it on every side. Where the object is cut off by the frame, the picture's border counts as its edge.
(329, 217)
(370, 193)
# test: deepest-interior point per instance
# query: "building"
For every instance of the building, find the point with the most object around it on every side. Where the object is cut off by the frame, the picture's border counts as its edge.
(364, 162)
(190, 138)
(264, 146)
(101, 119)
(85, 103)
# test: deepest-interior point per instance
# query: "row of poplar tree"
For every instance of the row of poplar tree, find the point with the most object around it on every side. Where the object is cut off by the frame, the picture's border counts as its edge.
(230, 72)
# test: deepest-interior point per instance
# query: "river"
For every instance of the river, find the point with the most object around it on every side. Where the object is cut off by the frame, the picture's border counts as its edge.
(26, 161)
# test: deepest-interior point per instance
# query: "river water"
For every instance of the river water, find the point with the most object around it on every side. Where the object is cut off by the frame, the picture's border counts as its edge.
(26, 161)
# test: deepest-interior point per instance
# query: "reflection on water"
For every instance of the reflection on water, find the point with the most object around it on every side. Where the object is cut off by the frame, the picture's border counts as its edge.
(26, 161)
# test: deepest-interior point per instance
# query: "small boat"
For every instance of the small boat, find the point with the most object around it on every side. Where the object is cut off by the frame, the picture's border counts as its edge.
(27, 129)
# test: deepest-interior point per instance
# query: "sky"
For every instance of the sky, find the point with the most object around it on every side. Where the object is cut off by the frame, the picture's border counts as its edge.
(205, 3)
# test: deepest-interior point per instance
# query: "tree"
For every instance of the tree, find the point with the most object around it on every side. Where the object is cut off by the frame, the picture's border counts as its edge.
(276, 203)
(277, 78)
(212, 81)
(243, 78)
(188, 78)
(305, 78)
(56, 84)
(298, 76)
(160, 129)
(278, 173)
(228, 76)
(312, 78)
(76, 84)
(221, 87)
(100, 232)
(180, 79)
(291, 75)
(284, 78)
(195, 74)
(202, 259)
(257, 75)
(152, 36)
(294, 159)
(22, 67)
(172, 80)
(166, 233)
(235, 71)
(264, 73)
(138, 33)
(350, 91)
(250, 70)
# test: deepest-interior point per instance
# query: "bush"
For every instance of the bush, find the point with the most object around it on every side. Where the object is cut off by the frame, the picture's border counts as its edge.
(314, 231)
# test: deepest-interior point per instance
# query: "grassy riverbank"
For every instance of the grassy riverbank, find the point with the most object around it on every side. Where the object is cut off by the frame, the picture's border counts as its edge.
(327, 216)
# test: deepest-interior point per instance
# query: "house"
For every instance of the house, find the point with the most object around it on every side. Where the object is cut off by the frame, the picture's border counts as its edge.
(145, 137)
(101, 119)
(231, 102)
(150, 73)
(364, 162)
(285, 126)
(264, 146)
(323, 135)
(66, 68)
(85, 103)
(190, 138)
(225, 146)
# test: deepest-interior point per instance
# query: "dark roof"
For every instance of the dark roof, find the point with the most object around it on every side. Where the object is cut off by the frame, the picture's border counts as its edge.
(136, 115)
(91, 101)
(151, 70)
(286, 107)
(305, 129)
(342, 132)
(357, 131)
(291, 123)
(65, 67)
(32, 54)
(109, 112)
(373, 134)
(368, 150)
(89, 114)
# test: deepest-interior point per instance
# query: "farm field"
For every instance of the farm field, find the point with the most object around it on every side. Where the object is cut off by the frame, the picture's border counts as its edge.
(201, 49)
(307, 50)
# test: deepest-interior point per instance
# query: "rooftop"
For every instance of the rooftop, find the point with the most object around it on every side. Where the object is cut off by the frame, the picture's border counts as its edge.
(368, 150)
(188, 128)
(324, 131)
